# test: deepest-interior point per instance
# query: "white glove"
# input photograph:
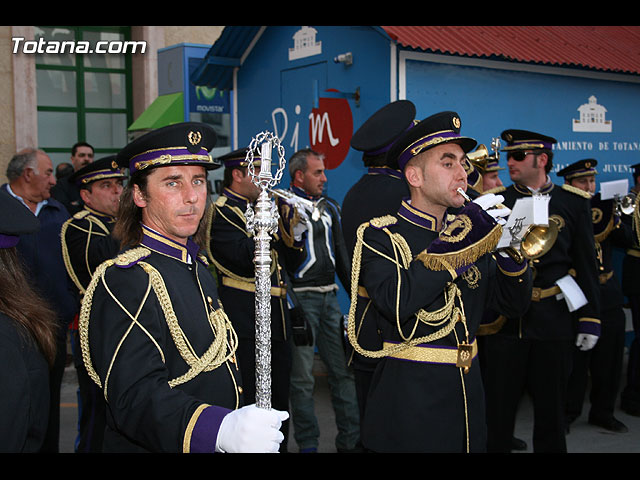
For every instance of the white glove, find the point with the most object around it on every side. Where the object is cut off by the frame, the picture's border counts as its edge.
(586, 341)
(302, 226)
(489, 203)
(251, 430)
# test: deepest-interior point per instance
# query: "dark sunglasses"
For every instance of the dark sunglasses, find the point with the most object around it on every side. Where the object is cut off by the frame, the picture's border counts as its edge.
(519, 156)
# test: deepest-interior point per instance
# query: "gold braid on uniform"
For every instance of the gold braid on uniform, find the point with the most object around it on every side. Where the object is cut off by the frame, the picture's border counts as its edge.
(611, 225)
(576, 190)
(209, 215)
(635, 220)
(220, 351)
(464, 256)
(446, 317)
(286, 231)
(223, 270)
(65, 250)
(495, 190)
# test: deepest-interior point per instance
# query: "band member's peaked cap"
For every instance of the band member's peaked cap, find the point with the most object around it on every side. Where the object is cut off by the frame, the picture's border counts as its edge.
(188, 143)
(438, 129)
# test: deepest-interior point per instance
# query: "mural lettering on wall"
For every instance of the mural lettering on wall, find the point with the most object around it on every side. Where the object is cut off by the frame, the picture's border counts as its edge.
(330, 128)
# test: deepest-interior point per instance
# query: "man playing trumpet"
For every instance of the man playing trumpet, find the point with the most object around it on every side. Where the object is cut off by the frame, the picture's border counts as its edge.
(425, 276)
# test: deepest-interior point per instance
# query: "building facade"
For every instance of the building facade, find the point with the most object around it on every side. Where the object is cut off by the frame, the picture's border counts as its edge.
(55, 93)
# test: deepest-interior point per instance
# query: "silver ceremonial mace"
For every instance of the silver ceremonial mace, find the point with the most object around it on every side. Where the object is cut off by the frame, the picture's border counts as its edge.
(262, 223)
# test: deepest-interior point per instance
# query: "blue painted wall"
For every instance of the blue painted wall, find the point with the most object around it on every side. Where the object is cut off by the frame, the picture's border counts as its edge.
(490, 101)
(277, 94)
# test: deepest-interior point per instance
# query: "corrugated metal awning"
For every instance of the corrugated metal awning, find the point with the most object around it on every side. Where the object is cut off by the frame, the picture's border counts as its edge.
(216, 69)
(604, 48)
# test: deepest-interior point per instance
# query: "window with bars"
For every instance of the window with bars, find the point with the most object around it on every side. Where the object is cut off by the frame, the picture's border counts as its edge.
(82, 96)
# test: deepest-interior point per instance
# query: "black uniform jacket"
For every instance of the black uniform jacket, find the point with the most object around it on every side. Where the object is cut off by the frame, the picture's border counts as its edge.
(418, 397)
(631, 261)
(68, 193)
(86, 243)
(573, 252)
(231, 251)
(377, 193)
(24, 403)
(155, 338)
(610, 232)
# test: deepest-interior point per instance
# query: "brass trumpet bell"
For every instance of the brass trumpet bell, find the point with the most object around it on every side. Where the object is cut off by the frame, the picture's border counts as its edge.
(479, 157)
(538, 239)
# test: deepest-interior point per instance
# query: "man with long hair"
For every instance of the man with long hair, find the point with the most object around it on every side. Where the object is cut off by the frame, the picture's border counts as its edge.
(153, 332)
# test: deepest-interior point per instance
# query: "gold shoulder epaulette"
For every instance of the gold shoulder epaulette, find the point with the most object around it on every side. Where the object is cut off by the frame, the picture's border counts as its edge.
(131, 257)
(499, 189)
(203, 259)
(81, 214)
(577, 191)
(384, 221)
(221, 200)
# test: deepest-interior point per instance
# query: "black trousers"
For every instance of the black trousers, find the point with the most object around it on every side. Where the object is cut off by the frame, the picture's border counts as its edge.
(631, 393)
(91, 406)
(515, 366)
(280, 377)
(603, 364)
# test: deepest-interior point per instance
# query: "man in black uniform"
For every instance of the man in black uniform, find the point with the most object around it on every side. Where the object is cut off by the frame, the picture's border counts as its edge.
(377, 193)
(630, 398)
(428, 273)
(86, 243)
(533, 351)
(603, 363)
(153, 332)
(231, 251)
(382, 188)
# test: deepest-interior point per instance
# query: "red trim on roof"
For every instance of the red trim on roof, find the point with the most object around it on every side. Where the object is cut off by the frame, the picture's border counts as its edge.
(605, 48)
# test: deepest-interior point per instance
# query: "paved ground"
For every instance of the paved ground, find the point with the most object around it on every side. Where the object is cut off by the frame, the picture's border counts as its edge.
(583, 438)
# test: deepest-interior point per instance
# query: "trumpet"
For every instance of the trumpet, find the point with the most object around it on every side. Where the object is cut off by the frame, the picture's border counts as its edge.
(625, 205)
(536, 241)
(308, 205)
(480, 157)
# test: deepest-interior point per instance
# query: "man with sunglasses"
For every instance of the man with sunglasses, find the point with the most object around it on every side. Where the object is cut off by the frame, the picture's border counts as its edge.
(532, 353)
